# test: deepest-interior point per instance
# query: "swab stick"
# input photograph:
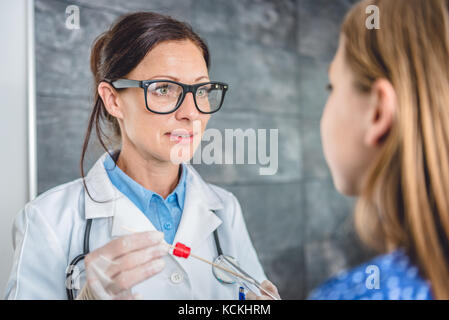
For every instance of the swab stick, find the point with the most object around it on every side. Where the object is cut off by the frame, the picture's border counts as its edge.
(181, 250)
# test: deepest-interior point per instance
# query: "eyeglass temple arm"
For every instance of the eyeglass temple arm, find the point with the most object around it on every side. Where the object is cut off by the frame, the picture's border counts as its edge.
(126, 83)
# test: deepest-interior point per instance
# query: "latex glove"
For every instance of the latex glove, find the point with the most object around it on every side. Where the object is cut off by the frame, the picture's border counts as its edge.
(267, 285)
(112, 270)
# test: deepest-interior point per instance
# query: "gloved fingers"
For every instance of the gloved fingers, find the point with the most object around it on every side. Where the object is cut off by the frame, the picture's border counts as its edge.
(127, 279)
(123, 245)
(101, 285)
(251, 296)
(97, 290)
(270, 287)
(97, 270)
(267, 285)
(124, 295)
(136, 258)
(100, 293)
(96, 262)
(138, 296)
(97, 278)
(115, 268)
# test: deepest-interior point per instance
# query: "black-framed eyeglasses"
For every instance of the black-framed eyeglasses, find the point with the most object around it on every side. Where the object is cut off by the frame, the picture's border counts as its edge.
(166, 96)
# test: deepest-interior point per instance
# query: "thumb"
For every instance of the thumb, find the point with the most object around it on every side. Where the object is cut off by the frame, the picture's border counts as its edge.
(269, 286)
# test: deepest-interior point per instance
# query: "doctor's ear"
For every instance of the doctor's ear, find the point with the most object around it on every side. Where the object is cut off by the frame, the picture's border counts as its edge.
(110, 99)
(383, 108)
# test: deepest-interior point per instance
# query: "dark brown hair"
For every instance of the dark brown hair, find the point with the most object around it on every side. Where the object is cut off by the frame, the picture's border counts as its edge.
(116, 52)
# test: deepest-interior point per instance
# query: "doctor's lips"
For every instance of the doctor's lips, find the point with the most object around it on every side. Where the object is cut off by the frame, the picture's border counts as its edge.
(181, 136)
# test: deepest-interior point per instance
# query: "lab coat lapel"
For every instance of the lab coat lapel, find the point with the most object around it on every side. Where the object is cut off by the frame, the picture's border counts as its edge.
(198, 219)
(126, 216)
(101, 190)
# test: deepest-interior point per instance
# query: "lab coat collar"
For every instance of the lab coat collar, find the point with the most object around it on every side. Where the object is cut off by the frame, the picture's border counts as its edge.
(199, 219)
(135, 191)
(197, 222)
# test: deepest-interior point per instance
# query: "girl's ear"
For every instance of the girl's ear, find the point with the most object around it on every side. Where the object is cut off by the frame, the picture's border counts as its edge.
(384, 107)
(110, 99)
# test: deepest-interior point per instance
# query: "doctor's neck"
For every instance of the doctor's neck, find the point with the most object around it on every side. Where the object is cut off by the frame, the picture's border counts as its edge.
(153, 174)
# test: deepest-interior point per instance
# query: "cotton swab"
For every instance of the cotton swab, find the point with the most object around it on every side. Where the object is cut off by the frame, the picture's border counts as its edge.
(211, 263)
(181, 250)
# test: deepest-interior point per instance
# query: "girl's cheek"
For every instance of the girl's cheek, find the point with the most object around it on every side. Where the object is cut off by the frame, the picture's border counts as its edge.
(325, 128)
(329, 136)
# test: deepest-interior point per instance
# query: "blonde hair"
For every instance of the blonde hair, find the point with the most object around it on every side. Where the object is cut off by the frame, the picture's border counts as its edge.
(404, 202)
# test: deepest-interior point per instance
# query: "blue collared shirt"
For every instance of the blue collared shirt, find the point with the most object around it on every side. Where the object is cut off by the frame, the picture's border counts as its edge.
(164, 214)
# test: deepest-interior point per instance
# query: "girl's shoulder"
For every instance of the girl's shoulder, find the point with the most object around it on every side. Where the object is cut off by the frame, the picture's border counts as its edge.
(387, 277)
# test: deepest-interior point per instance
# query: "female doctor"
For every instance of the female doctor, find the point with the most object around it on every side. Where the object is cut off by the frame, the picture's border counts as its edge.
(154, 92)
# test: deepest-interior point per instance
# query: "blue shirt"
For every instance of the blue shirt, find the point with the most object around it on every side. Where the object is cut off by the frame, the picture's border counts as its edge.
(164, 214)
(387, 277)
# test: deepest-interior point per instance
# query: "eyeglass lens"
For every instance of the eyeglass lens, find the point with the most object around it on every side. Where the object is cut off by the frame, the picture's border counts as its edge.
(165, 96)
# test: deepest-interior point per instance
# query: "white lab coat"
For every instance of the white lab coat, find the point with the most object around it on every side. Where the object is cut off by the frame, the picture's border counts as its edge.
(49, 232)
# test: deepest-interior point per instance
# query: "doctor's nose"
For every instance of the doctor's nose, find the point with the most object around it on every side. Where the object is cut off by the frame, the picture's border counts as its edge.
(188, 109)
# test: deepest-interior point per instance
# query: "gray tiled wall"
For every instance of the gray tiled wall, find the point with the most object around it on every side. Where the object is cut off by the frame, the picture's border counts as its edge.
(275, 56)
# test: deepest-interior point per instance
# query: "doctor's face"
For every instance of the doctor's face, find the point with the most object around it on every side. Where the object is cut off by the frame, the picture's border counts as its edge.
(165, 137)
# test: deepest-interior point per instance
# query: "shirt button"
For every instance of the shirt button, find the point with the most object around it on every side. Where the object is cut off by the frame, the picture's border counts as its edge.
(176, 277)
(167, 226)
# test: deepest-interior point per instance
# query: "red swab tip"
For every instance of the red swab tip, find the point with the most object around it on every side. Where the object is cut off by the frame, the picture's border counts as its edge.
(181, 250)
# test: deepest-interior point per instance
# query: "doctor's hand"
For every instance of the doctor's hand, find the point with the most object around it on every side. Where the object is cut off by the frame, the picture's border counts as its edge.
(113, 269)
(267, 285)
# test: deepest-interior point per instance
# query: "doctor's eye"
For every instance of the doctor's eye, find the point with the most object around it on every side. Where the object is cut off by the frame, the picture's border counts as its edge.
(203, 92)
(162, 90)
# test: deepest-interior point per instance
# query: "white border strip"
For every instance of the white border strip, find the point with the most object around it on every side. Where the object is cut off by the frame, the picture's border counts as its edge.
(31, 80)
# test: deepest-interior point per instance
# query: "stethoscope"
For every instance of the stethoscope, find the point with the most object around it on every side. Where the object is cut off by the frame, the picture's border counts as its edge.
(72, 266)
(221, 259)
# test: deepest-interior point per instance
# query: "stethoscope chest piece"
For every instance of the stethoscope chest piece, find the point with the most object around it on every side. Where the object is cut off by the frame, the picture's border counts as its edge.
(221, 275)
